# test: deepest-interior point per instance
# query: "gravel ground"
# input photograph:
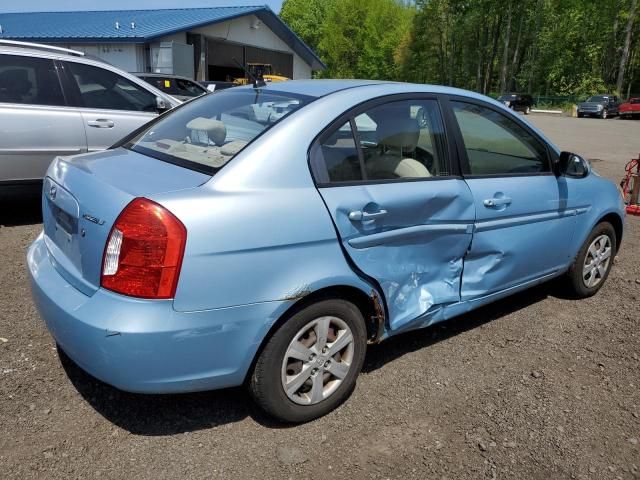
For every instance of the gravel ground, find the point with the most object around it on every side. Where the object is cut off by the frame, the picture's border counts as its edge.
(533, 387)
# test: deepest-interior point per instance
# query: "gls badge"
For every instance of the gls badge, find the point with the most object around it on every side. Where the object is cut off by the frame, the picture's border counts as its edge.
(95, 220)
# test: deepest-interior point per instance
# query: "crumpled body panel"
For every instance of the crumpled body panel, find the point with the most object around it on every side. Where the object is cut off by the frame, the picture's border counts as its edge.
(528, 238)
(415, 251)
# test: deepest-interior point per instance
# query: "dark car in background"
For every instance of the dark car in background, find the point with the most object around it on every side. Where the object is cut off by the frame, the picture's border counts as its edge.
(520, 102)
(601, 106)
(214, 86)
(178, 87)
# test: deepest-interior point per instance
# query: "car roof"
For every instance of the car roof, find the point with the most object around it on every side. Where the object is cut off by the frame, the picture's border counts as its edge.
(324, 87)
(14, 50)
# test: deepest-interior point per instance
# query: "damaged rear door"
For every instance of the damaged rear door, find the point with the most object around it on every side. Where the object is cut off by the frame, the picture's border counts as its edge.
(403, 214)
(523, 228)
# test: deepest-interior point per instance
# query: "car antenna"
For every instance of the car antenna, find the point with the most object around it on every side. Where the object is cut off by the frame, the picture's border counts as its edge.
(258, 82)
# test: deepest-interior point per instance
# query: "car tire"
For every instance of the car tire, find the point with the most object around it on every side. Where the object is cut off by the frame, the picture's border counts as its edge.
(579, 281)
(604, 114)
(580, 115)
(275, 367)
(527, 110)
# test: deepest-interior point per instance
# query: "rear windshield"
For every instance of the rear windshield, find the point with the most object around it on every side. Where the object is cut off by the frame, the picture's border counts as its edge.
(176, 86)
(206, 133)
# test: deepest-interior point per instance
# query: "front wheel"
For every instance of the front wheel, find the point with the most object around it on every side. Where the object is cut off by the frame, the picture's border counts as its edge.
(593, 263)
(310, 364)
(527, 110)
(604, 114)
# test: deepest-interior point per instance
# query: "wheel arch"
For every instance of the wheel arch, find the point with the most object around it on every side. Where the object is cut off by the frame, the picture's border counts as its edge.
(370, 305)
(618, 226)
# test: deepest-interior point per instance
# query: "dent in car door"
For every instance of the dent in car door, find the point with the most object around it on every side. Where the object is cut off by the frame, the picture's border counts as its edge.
(409, 231)
(523, 227)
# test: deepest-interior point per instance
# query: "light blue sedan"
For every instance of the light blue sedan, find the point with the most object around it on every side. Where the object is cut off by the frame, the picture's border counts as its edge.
(229, 242)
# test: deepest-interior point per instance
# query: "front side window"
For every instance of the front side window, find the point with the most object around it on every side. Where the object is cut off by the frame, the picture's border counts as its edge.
(29, 81)
(104, 89)
(206, 133)
(496, 144)
(396, 140)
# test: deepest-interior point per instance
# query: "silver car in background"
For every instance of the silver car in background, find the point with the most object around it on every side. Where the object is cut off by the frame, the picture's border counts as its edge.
(55, 101)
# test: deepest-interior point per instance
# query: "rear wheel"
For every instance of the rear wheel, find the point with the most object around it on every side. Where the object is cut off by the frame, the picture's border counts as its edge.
(310, 365)
(580, 115)
(593, 263)
(527, 110)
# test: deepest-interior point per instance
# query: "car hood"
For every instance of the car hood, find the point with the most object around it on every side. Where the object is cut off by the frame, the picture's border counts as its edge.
(590, 104)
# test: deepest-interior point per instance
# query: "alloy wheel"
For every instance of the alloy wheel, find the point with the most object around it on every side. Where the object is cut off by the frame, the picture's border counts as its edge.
(317, 360)
(596, 261)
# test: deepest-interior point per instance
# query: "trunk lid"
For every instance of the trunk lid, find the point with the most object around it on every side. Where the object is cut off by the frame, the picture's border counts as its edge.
(83, 196)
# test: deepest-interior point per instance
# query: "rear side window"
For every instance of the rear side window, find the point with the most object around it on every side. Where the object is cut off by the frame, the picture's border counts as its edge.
(392, 141)
(496, 144)
(341, 155)
(29, 81)
(104, 89)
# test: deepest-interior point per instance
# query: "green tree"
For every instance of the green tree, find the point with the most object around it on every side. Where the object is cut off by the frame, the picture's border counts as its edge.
(306, 18)
(547, 47)
(362, 39)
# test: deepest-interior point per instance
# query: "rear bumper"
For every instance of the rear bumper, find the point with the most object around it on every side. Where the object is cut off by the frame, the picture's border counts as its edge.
(146, 346)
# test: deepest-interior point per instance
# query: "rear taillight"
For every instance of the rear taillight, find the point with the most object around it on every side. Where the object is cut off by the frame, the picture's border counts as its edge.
(144, 251)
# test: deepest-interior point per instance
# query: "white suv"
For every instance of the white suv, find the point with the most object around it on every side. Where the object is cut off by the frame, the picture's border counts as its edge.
(55, 101)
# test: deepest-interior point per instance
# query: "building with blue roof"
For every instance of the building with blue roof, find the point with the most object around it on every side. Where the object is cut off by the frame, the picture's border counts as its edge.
(201, 43)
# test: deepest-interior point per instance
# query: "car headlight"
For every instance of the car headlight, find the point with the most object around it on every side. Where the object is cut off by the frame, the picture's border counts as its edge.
(508, 104)
(600, 107)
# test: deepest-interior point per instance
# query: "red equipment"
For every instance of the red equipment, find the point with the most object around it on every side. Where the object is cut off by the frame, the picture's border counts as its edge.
(631, 186)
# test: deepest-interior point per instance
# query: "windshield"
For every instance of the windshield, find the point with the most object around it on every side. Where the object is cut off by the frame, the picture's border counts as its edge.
(634, 100)
(507, 96)
(597, 99)
(206, 133)
(176, 86)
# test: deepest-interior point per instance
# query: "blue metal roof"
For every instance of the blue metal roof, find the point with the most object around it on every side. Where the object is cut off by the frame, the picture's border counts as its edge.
(138, 26)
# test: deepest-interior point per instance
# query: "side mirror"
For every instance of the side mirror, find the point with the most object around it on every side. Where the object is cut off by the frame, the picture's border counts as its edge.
(161, 105)
(571, 165)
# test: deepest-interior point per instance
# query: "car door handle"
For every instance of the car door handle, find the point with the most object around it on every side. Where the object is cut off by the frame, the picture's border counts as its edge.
(360, 216)
(497, 202)
(101, 123)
